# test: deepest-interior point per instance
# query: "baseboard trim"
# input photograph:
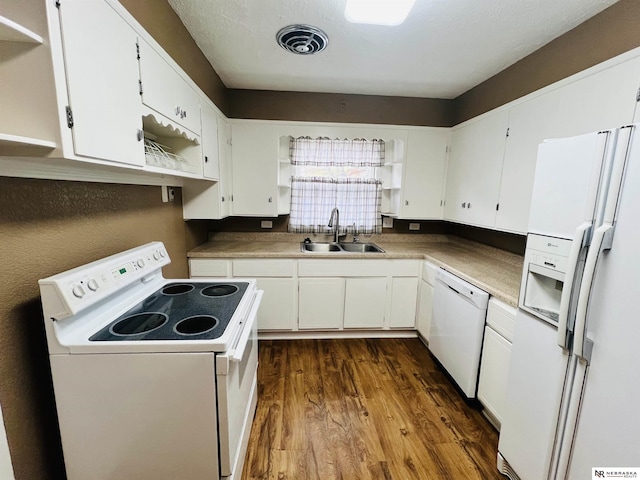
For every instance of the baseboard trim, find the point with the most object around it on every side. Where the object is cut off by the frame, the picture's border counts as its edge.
(298, 335)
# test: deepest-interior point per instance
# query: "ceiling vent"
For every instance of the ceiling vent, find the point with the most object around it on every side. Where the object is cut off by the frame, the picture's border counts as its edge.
(302, 39)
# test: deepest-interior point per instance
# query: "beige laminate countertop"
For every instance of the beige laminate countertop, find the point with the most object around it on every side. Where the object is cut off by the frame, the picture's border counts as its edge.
(494, 270)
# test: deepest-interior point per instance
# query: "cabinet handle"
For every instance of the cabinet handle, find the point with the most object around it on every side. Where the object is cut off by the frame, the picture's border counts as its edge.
(469, 205)
(140, 135)
(206, 159)
(223, 199)
(406, 202)
(178, 110)
(464, 205)
(270, 199)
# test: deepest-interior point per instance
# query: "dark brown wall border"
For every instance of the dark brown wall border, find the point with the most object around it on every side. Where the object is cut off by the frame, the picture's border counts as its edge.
(610, 33)
(339, 108)
(158, 18)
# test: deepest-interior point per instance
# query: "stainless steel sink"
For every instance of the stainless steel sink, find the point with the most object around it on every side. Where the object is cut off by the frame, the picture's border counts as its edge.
(320, 247)
(361, 247)
(331, 247)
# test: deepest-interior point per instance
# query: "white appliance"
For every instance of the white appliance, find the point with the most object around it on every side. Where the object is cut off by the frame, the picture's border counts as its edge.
(153, 378)
(572, 388)
(457, 326)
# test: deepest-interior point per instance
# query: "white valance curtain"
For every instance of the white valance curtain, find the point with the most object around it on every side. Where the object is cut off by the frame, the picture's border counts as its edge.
(358, 199)
(324, 151)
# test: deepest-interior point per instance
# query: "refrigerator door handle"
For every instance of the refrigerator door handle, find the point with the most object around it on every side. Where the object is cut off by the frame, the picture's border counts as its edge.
(581, 346)
(567, 290)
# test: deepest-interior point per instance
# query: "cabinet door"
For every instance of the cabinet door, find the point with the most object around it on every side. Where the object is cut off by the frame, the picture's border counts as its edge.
(473, 174)
(102, 81)
(425, 310)
(601, 101)
(494, 369)
(279, 308)
(225, 184)
(424, 170)
(166, 92)
(254, 154)
(320, 303)
(404, 300)
(209, 137)
(364, 302)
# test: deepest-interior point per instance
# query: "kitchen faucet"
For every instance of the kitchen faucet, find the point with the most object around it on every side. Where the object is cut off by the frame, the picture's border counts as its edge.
(337, 223)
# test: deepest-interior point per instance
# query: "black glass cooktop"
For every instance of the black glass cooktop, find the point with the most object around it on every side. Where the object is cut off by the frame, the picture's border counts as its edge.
(178, 311)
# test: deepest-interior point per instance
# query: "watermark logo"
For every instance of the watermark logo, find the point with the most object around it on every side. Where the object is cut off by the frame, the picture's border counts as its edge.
(615, 472)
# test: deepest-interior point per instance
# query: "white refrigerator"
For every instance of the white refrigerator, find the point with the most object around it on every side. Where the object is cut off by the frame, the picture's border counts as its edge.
(573, 390)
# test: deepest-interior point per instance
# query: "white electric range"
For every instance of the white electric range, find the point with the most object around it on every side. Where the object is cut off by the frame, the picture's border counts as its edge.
(153, 378)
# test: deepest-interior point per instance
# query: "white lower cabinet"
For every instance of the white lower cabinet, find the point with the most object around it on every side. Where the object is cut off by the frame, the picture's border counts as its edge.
(365, 302)
(425, 305)
(279, 306)
(325, 294)
(321, 303)
(404, 297)
(496, 355)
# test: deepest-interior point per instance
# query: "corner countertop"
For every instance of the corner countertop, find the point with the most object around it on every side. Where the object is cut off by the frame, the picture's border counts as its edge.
(496, 271)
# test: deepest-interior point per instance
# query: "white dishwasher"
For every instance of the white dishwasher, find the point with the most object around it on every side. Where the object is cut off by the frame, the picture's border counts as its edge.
(457, 326)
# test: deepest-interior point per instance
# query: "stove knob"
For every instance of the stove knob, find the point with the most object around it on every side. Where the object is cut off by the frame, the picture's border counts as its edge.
(93, 285)
(163, 253)
(140, 263)
(156, 255)
(78, 291)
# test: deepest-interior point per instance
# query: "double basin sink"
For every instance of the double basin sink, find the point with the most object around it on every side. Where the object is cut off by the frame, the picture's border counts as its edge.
(332, 247)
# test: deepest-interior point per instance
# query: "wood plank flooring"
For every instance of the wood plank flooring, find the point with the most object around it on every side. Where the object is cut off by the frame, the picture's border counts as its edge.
(363, 409)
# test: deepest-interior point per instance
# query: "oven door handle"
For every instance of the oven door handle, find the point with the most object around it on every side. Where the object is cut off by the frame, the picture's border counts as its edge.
(238, 352)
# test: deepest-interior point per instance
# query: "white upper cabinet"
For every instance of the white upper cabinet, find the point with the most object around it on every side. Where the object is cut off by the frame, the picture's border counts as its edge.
(29, 115)
(254, 154)
(424, 173)
(102, 81)
(203, 199)
(475, 165)
(600, 101)
(165, 91)
(210, 153)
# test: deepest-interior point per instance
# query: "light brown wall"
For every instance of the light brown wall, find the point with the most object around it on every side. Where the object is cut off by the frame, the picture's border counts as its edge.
(158, 18)
(610, 33)
(48, 227)
(339, 108)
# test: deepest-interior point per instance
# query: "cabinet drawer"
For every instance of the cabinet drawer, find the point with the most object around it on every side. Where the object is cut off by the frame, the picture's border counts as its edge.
(343, 268)
(502, 318)
(209, 267)
(264, 268)
(429, 273)
(405, 268)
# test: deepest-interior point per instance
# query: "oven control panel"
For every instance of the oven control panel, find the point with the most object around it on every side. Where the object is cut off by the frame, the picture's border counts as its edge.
(76, 289)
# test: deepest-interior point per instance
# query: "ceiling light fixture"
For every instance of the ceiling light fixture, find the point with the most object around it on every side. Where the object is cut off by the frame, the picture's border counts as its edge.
(378, 12)
(302, 39)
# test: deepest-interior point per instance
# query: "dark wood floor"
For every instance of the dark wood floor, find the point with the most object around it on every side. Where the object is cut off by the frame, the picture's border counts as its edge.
(363, 409)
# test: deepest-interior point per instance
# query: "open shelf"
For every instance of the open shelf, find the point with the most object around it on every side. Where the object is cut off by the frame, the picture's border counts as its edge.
(170, 147)
(10, 31)
(14, 144)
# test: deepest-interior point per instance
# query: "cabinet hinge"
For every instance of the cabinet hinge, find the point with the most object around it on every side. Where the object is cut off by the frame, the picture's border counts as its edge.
(508, 131)
(140, 84)
(440, 202)
(69, 116)
(137, 50)
(497, 207)
(638, 95)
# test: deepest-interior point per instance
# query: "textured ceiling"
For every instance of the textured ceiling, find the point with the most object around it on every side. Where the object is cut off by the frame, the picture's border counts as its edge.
(443, 49)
